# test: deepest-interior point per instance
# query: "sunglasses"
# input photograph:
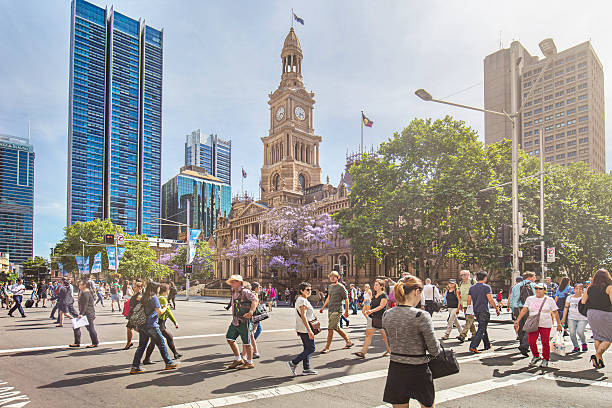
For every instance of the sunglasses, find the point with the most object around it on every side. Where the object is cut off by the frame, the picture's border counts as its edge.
(307, 289)
(540, 289)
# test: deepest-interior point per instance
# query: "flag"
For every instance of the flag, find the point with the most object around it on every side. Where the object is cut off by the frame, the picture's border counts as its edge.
(97, 263)
(244, 175)
(367, 122)
(192, 244)
(299, 20)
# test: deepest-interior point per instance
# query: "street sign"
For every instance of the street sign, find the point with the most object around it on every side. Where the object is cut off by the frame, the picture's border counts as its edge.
(550, 254)
(120, 239)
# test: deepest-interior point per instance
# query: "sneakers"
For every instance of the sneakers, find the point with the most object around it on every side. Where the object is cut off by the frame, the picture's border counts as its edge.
(524, 351)
(255, 355)
(576, 350)
(137, 370)
(534, 360)
(474, 351)
(445, 337)
(178, 356)
(544, 364)
(585, 347)
(172, 366)
(309, 371)
(461, 338)
(147, 362)
(235, 364)
(246, 366)
(291, 367)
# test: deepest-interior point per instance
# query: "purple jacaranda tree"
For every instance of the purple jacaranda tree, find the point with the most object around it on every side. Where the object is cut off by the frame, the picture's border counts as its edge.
(202, 262)
(294, 237)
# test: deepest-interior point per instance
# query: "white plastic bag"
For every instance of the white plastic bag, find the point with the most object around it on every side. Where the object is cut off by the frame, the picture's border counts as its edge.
(557, 344)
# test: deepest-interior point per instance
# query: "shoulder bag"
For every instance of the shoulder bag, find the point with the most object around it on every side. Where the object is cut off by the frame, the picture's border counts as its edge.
(532, 323)
(583, 308)
(315, 325)
(260, 314)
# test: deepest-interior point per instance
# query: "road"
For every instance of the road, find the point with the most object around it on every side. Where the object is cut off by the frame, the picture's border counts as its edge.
(38, 370)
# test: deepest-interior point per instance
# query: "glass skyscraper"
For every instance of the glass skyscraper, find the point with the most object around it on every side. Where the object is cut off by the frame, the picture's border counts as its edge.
(114, 130)
(208, 198)
(16, 197)
(211, 153)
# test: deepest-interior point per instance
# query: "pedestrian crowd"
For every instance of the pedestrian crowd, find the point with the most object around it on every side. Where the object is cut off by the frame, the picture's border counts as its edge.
(401, 312)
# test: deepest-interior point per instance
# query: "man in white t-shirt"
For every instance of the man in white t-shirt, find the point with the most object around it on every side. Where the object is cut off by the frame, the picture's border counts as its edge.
(430, 295)
(18, 291)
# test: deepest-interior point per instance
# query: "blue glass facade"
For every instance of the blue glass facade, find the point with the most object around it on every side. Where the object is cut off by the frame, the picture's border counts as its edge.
(209, 198)
(16, 198)
(114, 160)
(211, 153)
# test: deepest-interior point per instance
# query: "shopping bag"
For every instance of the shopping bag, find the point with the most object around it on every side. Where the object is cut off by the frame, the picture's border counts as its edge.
(557, 345)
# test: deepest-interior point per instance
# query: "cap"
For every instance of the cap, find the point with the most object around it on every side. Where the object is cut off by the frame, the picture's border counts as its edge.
(519, 279)
(452, 281)
(235, 278)
(540, 285)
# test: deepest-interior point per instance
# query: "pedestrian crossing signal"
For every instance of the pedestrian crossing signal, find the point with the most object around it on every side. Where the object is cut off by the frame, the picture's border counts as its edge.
(188, 269)
(109, 239)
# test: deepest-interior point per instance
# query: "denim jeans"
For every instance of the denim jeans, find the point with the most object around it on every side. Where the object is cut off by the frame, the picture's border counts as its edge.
(577, 327)
(257, 331)
(92, 333)
(304, 356)
(481, 332)
(344, 319)
(100, 299)
(353, 306)
(155, 335)
(17, 305)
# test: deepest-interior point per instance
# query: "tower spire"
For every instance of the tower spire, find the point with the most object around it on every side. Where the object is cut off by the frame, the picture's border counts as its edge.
(291, 57)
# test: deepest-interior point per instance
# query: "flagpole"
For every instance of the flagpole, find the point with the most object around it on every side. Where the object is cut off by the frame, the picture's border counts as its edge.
(361, 145)
(291, 18)
(242, 182)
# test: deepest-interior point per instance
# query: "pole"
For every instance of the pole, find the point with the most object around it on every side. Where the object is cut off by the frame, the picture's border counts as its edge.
(361, 145)
(291, 18)
(515, 139)
(542, 243)
(188, 257)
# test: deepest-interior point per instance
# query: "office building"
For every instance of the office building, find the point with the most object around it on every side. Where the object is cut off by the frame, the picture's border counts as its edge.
(211, 153)
(567, 103)
(208, 199)
(16, 198)
(114, 125)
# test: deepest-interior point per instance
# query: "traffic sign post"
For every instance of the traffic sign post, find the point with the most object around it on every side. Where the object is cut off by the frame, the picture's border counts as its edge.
(120, 238)
(550, 254)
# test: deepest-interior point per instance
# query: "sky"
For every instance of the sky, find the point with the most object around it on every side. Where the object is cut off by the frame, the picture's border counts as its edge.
(222, 59)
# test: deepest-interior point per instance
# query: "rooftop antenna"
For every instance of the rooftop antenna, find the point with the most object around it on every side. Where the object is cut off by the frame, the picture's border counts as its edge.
(500, 40)
(28, 130)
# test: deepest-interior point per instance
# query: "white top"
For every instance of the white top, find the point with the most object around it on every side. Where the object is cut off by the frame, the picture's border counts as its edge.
(367, 296)
(431, 292)
(573, 312)
(299, 325)
(533, 303)
(18, 289)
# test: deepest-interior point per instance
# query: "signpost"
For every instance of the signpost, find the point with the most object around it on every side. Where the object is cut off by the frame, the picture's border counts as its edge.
(120, 239)
(550, 254)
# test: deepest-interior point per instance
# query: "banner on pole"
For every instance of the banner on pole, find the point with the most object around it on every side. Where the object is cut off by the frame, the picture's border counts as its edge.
(61, 269)
(97, 263)
(85, 266)
(193, 239)
(110, 254)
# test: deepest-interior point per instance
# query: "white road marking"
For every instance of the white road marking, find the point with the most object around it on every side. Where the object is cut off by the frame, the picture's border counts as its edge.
(578, 380)
(105, 343)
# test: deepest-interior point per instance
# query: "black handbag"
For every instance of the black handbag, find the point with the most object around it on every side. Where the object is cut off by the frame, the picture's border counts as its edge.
(583, 308)
(260, 314)
(376, 322)
(443, 364)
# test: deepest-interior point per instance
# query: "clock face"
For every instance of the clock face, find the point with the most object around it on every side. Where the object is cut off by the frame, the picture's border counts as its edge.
(299, 113)
(280, 113)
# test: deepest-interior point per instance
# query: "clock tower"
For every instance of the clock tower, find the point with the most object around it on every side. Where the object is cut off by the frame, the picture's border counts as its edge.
(291, 149)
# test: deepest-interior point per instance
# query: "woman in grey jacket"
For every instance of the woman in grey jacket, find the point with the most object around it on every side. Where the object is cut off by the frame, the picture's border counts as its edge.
(411, 336)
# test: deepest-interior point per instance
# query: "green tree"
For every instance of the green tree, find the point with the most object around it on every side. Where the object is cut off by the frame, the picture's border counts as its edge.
(203, 262)
(139, 261)
(35, 268)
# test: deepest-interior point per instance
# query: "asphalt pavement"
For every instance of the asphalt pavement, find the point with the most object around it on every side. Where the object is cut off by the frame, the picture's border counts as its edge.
(37, 369)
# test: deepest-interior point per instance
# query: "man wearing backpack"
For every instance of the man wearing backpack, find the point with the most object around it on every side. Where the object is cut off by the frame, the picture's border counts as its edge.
(115, 290)
(464, 288)
(244, 303)
(520, 292)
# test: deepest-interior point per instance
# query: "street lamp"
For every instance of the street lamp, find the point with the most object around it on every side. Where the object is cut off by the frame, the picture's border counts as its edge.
(548, 48)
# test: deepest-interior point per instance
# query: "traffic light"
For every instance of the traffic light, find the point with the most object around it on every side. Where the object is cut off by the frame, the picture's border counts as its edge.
(499, 236)
(188, 269)
(537, 253)
(504, 235)
(109, 239)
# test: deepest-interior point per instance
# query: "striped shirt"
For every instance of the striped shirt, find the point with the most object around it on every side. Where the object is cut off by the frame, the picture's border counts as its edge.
(410, 335)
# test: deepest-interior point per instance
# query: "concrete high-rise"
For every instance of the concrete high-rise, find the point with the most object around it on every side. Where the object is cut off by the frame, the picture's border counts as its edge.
(211, 153)
(114, 124)
(16, 198)
(567, 104)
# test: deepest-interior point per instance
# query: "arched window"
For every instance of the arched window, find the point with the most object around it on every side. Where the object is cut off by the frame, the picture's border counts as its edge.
(302, 181)
(276, 182)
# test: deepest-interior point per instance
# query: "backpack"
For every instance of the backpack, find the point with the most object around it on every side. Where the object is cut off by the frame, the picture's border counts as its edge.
(113, 290)
(526, 291)
(137, 317)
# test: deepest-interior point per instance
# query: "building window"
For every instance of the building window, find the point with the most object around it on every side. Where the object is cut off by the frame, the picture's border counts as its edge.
(527, 114)
(559, 73)
(536, 121)
(548, 128)
(527, 134)
(558, 94)
(559, 83)
(549, 159)
(561, 146)
(571, 100)
(539, 110)
(583, 119)
(582, 76)
(582, 64)
(302, 181)
(584, 140)
(548, 107)
(583, 129)
(570, 68)
(276, 182)
(570, 111)
(560, 156)
(559, 104)
(548, 117)
(22, 168)
(548, 87)
(527, 124)
(570, 79)
(572, 89)
(570, 58)
(571, 122)
(549, 149)
(527, 84)
(559, 114)
(528, 104)
(582, 86)
(571, 143)
(548, 97)
(583, 151)
(536, 101)
(571, 154)
(582, 97)
(560, 125)
(527, 144)
(549, 138)
(583, 108)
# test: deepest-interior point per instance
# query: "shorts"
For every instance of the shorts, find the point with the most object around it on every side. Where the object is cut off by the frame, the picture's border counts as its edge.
(243, 330)
(116, 298)
(42, 296)
(333, 320)
(367, 303)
